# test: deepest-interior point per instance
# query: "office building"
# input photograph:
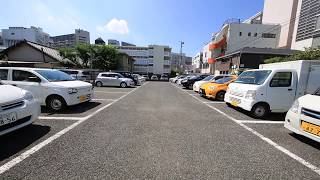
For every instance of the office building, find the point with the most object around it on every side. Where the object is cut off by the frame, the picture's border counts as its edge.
(113, 42)
(307, 25)
(284, 13)
(14, 35)
(154, 59)
(126, 44)
(71, 40)
(180, 62)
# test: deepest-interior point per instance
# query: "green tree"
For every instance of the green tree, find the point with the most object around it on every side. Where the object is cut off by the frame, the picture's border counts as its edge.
(71, 54)
(308, 54)
(84, 52)
(105, 57)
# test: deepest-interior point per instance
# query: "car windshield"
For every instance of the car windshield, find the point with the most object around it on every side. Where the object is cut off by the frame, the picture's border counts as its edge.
(223, 80)
(54, 75)
(253, 77)
(208, 78)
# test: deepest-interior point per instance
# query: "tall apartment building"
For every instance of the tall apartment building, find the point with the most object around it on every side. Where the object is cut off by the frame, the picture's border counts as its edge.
(71, 40)
(1, 40)
(307, 25)
(284, 13)
(154, 59)
(14, 35)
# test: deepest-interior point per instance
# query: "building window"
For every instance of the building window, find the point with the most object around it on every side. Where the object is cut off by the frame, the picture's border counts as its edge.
(249, 34)
(318, 23)
(150, 56)
(268, 35)
(240, 33)
(12, 33)
(255, 34)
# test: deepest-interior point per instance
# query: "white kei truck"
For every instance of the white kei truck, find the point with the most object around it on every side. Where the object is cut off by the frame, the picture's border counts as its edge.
(273, 87)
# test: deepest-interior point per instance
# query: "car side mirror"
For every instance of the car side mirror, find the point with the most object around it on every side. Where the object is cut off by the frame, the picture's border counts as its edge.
(34, 79)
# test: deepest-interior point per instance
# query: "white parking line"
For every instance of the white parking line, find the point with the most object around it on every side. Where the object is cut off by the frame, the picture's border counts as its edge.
(259, 122)
(37, 147)
(60, 118)
(112, 92)
(104, 99)
(213, 102)
(269, 141)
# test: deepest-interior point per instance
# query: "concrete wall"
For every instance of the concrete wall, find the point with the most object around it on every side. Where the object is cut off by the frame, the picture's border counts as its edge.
(281, 12)
(236, 42)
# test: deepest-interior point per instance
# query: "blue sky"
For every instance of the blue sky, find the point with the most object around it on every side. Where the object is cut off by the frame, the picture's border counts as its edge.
(141, 22)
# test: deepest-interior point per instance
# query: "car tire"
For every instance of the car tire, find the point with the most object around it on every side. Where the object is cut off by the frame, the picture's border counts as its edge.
(260, 110)
(56, 103)
(229, 105)
(99, 84)
(123, 85)
(220, 95)
(190, 86)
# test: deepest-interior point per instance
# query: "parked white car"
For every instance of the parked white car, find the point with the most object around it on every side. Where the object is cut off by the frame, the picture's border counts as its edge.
(304, 115)
(17, 108)
(154, 77)
(113, 79)
(52, 88)
(139, 79)
(78, 74)
(211, 78)
(273, 87)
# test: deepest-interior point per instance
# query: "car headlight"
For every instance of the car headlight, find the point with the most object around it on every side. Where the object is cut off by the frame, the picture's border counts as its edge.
(72, 90)
(251, 94)
(28, 96)
(295, 107)
(212, 87)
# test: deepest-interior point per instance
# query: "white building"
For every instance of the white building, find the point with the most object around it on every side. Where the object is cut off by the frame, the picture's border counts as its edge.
(71, 40)
(281, 12)
(306, 32)
(14, 35)
(154, 59)
(197, 62)
(207, 63)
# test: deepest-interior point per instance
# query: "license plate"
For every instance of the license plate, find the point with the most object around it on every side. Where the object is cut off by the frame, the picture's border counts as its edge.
(234, 103)
(84, 97)
(8, 118)
(310, 128)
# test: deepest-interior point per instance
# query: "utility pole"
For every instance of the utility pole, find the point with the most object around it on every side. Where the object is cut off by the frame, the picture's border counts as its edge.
(181, 45)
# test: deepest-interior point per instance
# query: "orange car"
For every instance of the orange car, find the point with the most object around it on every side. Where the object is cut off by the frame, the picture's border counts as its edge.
(217, 89)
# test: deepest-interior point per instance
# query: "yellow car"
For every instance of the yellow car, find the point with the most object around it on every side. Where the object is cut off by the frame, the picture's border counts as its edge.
(216, 89)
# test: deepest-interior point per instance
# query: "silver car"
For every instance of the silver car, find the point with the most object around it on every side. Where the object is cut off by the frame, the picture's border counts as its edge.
(113, 79)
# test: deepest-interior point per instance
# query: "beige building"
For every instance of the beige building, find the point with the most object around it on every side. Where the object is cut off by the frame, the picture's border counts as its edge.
(281, 12)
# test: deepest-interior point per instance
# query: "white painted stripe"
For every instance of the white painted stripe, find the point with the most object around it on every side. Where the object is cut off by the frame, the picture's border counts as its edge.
(214, 102)
(260, 122)
(59, 118)
(269, 141)
(104, 99)
(36, 148)
(112, 92)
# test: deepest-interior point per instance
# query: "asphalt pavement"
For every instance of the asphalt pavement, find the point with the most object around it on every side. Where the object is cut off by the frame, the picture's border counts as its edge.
(157, 131)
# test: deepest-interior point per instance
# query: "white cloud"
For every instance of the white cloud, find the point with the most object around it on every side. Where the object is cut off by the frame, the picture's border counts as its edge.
(117, 26)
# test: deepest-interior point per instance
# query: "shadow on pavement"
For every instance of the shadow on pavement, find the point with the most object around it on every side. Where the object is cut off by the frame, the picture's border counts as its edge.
(271, 116)
(76, 109)
(306, 140)
(18, 140)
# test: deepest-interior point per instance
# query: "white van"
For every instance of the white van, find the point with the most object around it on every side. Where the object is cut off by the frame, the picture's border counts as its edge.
(273, 87)
(52, 88)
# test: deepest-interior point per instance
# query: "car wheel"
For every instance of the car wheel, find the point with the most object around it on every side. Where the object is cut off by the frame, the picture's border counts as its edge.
(56, 103)
(123, 85)
(229, 105)
(260, 110)
(99, 84)
(190, 86)
(220, 96)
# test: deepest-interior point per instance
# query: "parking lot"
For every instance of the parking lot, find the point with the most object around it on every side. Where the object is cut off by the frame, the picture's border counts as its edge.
(159, 130)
